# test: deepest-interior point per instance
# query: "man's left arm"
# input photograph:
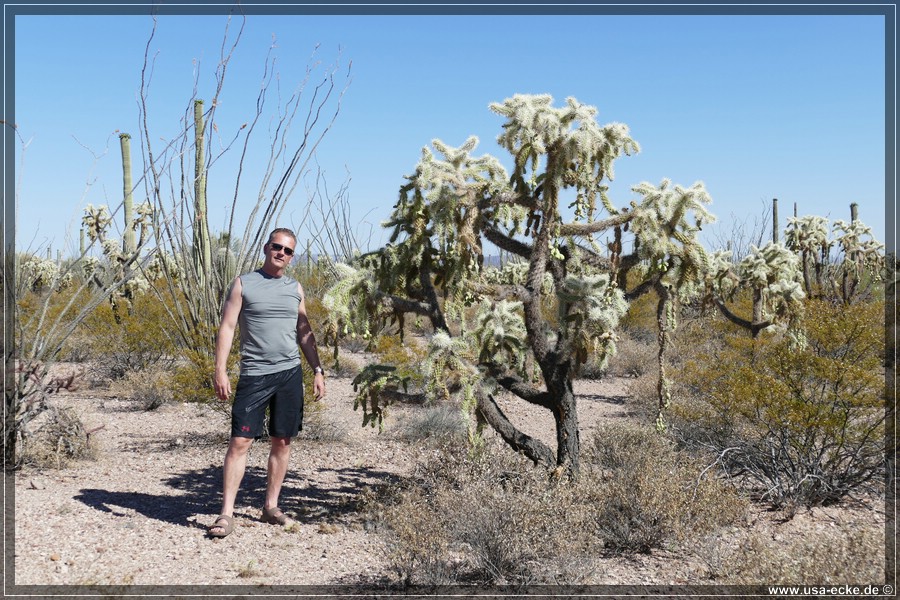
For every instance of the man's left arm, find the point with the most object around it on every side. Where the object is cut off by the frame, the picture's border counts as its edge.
(307, 340)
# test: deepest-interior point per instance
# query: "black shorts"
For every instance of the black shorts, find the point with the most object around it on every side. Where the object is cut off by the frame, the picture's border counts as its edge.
(281, 392)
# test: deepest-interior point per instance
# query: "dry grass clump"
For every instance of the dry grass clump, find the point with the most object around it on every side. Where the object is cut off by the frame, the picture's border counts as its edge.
(434, 422)
(317, 427)
(493, 518)
(847, 552)
(150, 388)
(59, 439)
(633, 358)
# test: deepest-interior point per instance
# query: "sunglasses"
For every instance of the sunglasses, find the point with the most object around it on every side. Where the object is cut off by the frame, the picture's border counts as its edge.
(280, 248)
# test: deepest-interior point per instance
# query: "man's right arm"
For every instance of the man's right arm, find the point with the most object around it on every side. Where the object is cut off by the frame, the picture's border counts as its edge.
(225, 337)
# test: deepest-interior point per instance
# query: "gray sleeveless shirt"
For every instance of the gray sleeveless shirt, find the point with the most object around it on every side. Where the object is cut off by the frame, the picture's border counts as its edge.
(268, 323)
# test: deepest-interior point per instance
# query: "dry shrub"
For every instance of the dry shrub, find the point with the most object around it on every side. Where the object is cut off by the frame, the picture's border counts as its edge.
(644, 396)
(493, 518)
(434, 422)
(342, 366)
(59, 439)
(407, 354)
(639, 323)
(633, 358)
(317, 427)
(489, 519)
(845, 553)
(650, 494)
(151, 388)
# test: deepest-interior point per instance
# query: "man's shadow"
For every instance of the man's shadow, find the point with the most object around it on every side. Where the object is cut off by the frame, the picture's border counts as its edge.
(198, 491)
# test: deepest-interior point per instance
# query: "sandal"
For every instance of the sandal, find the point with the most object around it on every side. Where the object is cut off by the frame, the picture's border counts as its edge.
(273, 516)
(225, 529)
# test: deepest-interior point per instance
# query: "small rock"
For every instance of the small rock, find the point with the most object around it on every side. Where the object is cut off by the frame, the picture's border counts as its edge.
(54, 556)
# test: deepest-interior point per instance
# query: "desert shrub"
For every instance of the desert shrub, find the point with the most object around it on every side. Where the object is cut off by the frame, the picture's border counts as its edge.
(639, 323)
(344, 366)
(633, 358)
(434, 422)
(150, 388)
(799, 416)
(480, 519)
(316, 424)
(492, 518)
(122, 340)
(650, 494)
(408, 354)
(59, 439)
(843, 552)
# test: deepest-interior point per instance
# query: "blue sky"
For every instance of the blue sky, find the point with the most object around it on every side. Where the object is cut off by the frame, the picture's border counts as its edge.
(756, 107)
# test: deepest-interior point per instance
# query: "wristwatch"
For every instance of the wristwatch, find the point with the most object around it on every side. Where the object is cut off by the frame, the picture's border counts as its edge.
(319, 370)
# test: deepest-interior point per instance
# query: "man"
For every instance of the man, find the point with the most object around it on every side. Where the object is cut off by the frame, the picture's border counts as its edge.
(269, 306)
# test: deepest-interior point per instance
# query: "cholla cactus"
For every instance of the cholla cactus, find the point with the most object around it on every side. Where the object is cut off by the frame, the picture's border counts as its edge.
(500, 334)
(144, 221)
(773, 273)
(808, 234)
(340, 302)
(840, 273)
(595, 306)
(666, 224)
(583, 151)
(720, 276)
(432, 267)
(96, 220)
(43, 274)
(163, 264)
(859, 254)
(90, 266)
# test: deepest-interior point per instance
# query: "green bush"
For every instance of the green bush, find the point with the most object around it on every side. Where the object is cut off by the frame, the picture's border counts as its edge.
(800, 416)
(124, 340)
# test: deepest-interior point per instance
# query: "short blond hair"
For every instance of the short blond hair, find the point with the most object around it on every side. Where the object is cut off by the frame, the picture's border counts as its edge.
(283, 230)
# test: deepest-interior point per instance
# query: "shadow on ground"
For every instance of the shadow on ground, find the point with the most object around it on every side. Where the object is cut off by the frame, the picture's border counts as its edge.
(198, 492)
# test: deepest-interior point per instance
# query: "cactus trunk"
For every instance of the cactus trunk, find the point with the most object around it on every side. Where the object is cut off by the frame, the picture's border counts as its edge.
(775, 231)
(201, 248)
(129, 247)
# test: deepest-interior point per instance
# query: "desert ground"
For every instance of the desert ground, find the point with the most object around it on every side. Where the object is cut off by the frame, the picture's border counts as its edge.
(136, 513)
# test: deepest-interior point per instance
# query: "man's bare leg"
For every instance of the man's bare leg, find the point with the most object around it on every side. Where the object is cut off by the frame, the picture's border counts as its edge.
(233, 472)
(279, 456)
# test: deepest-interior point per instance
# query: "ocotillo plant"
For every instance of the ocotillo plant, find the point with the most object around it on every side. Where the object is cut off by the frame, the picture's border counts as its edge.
(178, 189)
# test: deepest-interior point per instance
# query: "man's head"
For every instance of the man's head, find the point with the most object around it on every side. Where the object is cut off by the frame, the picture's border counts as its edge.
(282, 231)
(279, 250)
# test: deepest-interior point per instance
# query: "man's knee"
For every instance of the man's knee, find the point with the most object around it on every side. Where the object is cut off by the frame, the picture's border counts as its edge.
(239, 445)
(280, 441)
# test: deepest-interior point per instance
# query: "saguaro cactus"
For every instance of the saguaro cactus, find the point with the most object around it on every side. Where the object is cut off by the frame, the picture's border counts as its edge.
(129, 245)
